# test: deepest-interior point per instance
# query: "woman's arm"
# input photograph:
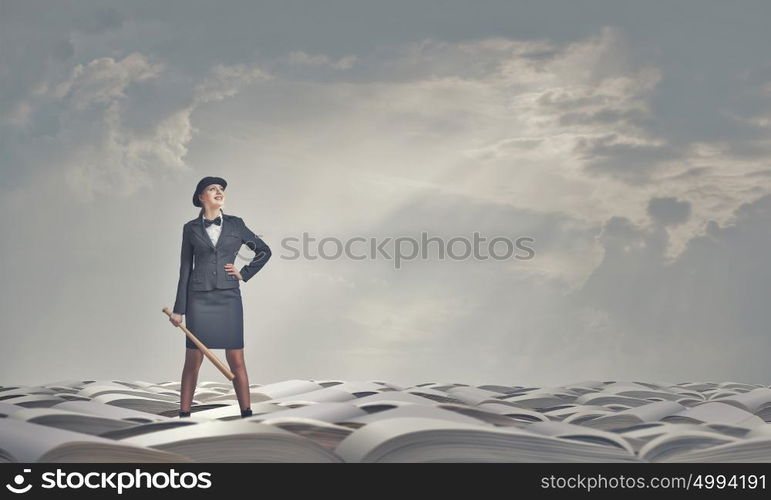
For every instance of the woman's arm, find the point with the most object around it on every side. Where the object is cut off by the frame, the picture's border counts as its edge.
(185, 268)
(261, 251)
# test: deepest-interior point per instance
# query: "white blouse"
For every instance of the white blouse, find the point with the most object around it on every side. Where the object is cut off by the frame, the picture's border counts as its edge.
(213, 230)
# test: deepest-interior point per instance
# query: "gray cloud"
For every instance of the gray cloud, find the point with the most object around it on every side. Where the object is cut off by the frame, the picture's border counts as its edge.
(708, 296)
(98, 20)
(630, 143)
(668, 211)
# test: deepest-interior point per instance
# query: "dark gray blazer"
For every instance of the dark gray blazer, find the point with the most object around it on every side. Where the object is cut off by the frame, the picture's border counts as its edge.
(209, 271)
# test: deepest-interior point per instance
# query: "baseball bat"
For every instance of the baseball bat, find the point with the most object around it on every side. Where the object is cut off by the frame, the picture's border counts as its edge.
(214, 359)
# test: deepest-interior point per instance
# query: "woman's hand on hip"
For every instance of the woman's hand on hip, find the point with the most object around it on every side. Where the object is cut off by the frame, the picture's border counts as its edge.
(175, 319)
(232, 271)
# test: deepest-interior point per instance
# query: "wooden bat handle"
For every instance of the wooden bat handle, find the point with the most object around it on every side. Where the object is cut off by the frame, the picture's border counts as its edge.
(214, 359)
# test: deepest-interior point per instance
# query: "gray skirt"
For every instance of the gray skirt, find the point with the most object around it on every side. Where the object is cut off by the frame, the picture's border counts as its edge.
(216, 318)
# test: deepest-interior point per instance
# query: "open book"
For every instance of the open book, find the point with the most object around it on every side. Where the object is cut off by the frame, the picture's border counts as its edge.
(235, 441)
(21, 441)
(422, 439)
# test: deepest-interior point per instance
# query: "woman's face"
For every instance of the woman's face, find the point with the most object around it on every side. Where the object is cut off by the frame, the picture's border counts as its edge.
(213, 196)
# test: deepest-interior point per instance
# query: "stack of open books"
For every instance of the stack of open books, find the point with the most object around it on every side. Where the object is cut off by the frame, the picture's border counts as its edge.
(376, 421)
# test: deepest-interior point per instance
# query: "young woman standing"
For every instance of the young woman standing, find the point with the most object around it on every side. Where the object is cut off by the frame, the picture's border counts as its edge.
(209, 292)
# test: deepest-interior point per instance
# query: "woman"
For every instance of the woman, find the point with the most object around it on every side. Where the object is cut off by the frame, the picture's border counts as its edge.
(209, 293)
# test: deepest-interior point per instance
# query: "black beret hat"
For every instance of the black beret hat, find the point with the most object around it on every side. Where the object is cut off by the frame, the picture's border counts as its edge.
(202, 185)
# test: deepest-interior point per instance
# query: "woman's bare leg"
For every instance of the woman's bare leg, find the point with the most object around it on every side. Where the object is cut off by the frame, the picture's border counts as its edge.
(193, 360)
(235, 359)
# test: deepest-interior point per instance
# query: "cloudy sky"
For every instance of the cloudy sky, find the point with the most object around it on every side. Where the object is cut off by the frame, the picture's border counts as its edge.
(629, 140)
